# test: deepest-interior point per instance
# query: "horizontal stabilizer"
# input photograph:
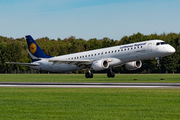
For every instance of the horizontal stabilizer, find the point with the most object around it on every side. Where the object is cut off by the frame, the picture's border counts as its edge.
(27, 64)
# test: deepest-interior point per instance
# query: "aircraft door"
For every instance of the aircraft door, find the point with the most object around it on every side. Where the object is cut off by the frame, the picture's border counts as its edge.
(50, 65)
(149, 47)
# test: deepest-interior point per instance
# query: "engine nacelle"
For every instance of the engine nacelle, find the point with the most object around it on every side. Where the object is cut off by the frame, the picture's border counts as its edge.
(134, 65)
(100, 65)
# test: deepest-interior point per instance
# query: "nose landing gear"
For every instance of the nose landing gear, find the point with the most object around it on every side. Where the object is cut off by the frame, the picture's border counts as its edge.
(158, 60)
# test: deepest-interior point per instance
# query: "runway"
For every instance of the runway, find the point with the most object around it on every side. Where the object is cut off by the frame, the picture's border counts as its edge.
(91, 85)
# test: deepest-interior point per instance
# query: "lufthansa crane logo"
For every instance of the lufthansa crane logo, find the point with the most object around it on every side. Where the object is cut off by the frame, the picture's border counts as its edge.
(33, 48)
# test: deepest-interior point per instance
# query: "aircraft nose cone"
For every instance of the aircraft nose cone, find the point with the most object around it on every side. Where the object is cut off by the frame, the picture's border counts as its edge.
(171, 50)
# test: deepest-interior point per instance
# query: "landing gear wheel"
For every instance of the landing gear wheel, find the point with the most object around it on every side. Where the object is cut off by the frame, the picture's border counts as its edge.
(158, 61)
(113, 75)
(109, 75)
(89, 75)
(158, 65)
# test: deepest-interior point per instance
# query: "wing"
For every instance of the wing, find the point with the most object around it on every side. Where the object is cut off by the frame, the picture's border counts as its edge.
(86, 63)
(80, 63)
(27, 64)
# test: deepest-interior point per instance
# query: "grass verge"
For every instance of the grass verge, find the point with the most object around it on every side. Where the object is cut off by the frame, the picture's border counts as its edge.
(168, 78)
(89, 103)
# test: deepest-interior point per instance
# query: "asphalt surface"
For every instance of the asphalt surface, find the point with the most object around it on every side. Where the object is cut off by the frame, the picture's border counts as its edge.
(91, 85)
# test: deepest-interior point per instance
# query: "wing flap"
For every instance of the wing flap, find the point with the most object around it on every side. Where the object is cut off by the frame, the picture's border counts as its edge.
(72, 62)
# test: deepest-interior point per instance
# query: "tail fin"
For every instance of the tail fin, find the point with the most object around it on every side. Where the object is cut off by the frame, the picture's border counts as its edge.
(35, 49)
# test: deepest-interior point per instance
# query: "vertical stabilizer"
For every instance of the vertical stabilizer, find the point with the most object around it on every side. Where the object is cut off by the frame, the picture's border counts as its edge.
(34, 48)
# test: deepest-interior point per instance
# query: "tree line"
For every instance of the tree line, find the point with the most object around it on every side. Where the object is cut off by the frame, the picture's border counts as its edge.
(15, 50)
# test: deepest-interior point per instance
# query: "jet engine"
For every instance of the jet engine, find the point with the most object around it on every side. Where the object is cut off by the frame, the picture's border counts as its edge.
(134, 65)
(100, 65)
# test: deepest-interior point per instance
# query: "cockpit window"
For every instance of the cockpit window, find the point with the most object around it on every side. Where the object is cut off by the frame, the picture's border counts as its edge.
(158, 43)
(161, 43)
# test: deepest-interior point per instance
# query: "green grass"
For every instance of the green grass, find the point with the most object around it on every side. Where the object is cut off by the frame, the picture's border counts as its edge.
(81, 78)
(89, 103)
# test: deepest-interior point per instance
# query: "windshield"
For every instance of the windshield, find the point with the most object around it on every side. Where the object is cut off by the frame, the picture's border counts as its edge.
(161, 43)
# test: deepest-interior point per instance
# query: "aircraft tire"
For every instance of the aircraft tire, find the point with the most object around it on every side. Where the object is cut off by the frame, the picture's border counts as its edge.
(109, 75)
(91, 75)
(87, 75)
(113, 75)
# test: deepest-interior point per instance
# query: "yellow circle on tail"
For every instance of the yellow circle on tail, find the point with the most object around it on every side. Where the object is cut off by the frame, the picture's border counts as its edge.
(33, 48)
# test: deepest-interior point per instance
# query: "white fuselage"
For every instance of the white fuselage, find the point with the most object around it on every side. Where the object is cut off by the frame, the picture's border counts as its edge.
(119, 55)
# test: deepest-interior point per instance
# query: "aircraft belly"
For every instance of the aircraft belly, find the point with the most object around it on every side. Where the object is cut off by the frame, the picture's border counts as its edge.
(62, 68)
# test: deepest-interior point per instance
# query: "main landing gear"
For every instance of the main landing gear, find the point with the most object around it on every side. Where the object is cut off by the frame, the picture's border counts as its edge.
(110, 73)
(89, 74)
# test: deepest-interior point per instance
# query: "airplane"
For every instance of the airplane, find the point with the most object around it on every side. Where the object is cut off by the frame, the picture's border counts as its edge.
(129, 55)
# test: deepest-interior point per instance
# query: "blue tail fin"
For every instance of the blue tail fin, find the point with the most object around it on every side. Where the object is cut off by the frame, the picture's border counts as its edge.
(35, 49)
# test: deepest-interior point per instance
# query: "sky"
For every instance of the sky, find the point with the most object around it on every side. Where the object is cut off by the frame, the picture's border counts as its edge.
(88, 19)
